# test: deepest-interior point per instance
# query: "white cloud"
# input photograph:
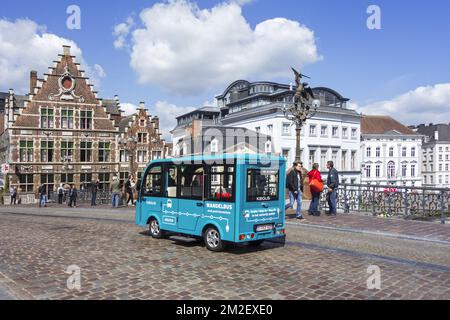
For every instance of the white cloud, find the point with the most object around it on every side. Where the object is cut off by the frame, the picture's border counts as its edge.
(189, 50)
(167, 114)
(128, 108)
(121, 32)
(26, 46)
(426, 104)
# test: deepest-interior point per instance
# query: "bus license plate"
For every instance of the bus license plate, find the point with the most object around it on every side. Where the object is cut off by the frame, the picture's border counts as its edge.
(264, 227)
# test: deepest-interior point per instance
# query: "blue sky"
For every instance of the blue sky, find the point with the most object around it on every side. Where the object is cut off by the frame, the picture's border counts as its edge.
(368, 66)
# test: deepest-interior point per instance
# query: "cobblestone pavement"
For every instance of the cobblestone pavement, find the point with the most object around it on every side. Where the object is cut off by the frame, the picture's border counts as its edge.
(118, 260)
(407, 228)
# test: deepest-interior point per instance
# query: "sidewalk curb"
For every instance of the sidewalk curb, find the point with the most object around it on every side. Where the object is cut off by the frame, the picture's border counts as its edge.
(369, 232)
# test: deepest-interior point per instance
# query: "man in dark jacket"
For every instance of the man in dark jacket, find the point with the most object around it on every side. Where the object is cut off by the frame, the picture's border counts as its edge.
(94, 188)
(333, 184)
(73, 196)
(294, 183)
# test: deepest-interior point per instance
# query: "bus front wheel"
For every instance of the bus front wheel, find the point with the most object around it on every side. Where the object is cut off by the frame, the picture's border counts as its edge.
(212, 239)
(155, 229)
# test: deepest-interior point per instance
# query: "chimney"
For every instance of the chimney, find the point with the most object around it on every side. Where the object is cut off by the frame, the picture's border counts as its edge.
(66, 50)
(156, 122)
(33, 81)
(436, 135)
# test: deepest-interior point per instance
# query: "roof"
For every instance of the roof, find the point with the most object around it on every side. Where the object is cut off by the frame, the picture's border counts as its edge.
(442, 129)
(205, 109)
(383, 125)
(111, 106)
(125, 123)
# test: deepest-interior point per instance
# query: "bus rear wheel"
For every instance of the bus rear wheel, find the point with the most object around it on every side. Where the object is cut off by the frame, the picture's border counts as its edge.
(212, 240)
(155, 229)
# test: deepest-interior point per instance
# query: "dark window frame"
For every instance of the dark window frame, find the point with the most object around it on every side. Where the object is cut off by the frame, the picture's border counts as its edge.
(208, 182)
(255, 198)
(143, 192)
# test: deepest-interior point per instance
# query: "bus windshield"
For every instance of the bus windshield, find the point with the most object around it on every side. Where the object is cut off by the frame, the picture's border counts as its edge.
(262, 185)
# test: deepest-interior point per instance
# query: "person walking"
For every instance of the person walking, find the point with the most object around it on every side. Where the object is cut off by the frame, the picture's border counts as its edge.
(294, 183)
(129, 185)
(316, 188)
(115, 190)
(73, 194)
(332, 184)
(42, 195)
(13, 193)
(94, 189)
(60, 192)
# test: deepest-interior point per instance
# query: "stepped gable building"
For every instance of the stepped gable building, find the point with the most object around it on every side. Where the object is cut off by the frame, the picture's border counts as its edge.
(391, 152)
(435, 154)
(139, 142)
(62, 132)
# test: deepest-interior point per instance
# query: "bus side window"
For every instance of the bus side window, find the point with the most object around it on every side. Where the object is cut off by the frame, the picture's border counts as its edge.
(171, 176)
(191, 182)
(221, 183)
(152, 183)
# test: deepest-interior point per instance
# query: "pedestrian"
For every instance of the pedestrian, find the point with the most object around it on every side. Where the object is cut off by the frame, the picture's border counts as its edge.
(115, 192)
(73, 194)
(94, 188)
(13, 193)
(129, 186)
(42, 195)
(316, 187)
(294, 183)
(60, 192)
(332, 184)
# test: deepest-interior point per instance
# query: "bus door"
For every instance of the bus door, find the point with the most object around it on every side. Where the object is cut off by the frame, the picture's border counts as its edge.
(220, 198)
(151, 193)
(169, 206)
(262, 209)
(190, 202)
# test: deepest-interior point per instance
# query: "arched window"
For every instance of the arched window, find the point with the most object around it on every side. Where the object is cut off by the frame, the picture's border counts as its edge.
(214, 145)
(391, 169)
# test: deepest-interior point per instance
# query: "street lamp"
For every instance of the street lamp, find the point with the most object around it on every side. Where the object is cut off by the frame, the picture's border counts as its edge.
(304, 107)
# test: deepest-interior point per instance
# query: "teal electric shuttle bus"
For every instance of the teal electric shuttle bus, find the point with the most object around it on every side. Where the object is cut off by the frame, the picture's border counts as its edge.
(231, 198)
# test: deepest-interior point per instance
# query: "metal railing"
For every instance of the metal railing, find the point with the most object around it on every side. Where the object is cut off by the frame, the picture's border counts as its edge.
(84, 196)
(418, 203)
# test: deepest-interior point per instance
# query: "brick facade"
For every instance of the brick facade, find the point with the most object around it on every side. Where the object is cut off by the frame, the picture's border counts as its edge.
(61, 132)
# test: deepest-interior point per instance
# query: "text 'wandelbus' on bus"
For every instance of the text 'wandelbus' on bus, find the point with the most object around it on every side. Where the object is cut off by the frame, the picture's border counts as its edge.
(222, 199)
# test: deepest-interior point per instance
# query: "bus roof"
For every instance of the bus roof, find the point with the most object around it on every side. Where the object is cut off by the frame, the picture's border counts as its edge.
(245, 157)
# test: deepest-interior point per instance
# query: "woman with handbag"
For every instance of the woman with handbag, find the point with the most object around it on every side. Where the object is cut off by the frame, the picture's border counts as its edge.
(316, 186)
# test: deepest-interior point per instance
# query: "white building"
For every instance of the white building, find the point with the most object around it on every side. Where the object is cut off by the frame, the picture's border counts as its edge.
(390, 152)
(332, 134)
(435, 154)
